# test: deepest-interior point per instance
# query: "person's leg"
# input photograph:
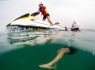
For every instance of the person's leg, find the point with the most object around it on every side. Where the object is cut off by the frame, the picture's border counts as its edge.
(60, 54)
(49, 20)
(44, 19)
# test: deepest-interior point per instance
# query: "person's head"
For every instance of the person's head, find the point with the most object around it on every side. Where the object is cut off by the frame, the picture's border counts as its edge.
(70, 50)
(74, 22)
(40, 4)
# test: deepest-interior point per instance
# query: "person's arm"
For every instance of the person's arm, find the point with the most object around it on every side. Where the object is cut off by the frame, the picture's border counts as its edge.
(36, 13)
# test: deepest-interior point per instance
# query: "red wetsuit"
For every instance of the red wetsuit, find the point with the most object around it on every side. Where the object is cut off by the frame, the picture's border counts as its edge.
(44, 12)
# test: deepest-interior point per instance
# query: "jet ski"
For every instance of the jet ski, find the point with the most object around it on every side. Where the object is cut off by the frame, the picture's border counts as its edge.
(31, 22)
(75, 26)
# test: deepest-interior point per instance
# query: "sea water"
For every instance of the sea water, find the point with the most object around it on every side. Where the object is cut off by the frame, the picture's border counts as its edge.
(28, 49)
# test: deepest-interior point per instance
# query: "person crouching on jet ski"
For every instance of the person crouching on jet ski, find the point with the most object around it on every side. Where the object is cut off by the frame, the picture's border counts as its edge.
(75, 26)
(44, 12)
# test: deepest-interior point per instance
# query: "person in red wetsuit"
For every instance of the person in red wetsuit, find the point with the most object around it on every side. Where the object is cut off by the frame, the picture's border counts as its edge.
(44, 12)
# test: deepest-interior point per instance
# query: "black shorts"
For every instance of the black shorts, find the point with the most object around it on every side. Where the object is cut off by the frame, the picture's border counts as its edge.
(46, 16)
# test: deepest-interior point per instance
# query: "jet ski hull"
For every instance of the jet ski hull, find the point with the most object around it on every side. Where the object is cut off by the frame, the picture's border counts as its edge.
(28, 22)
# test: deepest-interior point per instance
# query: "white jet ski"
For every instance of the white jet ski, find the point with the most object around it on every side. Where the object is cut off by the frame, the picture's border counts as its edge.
(31, 22)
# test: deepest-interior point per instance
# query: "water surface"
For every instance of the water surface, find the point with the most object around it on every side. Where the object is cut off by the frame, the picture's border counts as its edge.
(26, 50)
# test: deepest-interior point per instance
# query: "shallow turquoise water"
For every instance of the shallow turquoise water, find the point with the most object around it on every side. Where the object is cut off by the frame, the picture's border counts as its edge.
(27, 50)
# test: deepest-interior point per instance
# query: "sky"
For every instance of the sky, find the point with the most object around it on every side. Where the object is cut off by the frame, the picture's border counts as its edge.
(63, 11)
